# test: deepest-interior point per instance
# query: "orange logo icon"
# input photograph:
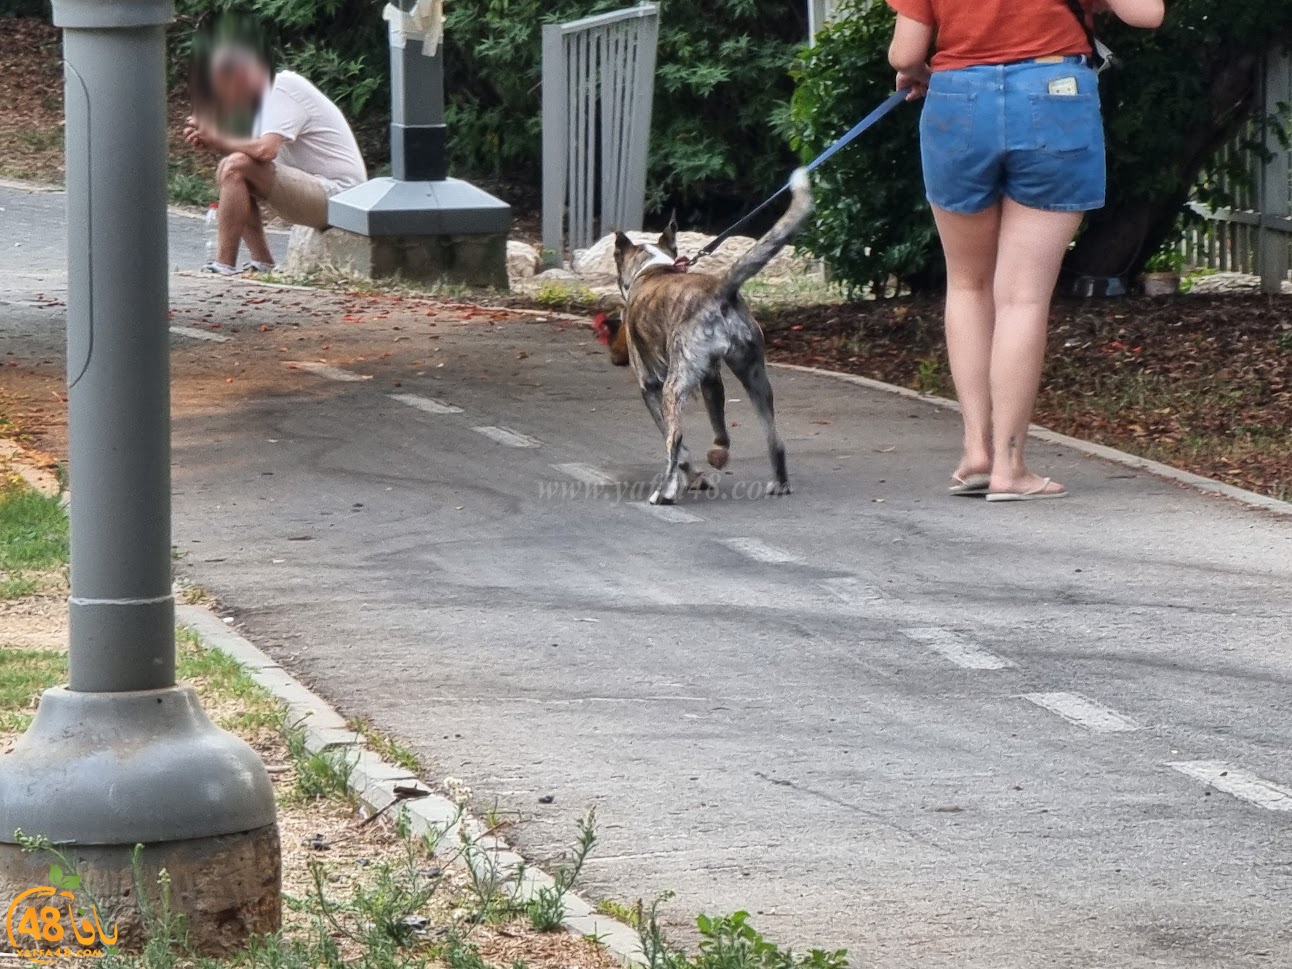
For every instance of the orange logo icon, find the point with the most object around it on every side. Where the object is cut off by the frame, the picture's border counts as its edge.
(46, 923)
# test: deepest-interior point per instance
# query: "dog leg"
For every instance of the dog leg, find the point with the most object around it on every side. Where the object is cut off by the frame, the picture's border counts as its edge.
(653, 395)
(715, 401)
(752, 373)
(677, 475)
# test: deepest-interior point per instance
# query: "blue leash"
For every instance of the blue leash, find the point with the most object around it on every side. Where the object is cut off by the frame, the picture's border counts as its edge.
(859, 129)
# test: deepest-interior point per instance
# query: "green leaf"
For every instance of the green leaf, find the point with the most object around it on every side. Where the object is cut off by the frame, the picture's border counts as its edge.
(72, 882)
(55, 875)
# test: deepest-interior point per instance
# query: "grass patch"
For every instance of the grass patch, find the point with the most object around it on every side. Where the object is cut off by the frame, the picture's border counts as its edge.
(186, 186)
(24, 675)
(33, 530)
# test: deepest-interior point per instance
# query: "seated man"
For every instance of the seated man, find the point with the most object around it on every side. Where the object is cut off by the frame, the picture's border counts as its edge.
(301, 153)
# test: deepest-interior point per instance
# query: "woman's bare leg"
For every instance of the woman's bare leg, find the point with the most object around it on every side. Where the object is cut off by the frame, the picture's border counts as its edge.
(1032, 244)
(969, 242)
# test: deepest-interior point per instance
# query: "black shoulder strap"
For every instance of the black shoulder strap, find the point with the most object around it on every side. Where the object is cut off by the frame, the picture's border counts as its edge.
(1078, 11)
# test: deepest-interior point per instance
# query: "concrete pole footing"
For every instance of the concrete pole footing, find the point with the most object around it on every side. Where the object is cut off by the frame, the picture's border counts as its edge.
(98, 773)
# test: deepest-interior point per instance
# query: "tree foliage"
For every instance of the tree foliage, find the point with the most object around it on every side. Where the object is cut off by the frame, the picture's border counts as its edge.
(1180, 93)
(721, 95)
(873, 224)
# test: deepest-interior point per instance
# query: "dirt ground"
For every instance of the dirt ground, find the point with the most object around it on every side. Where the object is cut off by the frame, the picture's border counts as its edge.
(1203, 383)
(1200, 382)
(31, 93)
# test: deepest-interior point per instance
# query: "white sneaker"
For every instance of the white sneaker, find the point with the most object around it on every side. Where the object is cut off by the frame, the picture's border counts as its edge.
(220, 269)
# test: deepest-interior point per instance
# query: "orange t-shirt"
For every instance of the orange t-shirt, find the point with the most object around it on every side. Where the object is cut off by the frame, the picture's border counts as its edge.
(972, 32)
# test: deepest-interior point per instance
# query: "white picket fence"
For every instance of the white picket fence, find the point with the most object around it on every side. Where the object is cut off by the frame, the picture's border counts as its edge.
(1254, 236)
(598, 94)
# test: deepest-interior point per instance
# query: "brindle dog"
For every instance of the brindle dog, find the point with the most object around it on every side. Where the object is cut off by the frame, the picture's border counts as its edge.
(679, 327)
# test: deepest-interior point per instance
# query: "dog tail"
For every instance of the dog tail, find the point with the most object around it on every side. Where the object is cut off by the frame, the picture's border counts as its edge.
(765, 249)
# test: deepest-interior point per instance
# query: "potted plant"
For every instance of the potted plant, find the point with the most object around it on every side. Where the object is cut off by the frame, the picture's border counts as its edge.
(1162, 271)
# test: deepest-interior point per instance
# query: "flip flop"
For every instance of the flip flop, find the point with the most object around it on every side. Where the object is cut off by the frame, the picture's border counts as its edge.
(972, 486)
(1036, 494)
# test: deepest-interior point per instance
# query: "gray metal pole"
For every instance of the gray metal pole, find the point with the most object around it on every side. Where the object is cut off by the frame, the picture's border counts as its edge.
(419, 222)
(419, 150)
(122, 755)
(122, 611)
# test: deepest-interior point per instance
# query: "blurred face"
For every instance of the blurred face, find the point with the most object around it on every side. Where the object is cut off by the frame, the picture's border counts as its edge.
(237, 86)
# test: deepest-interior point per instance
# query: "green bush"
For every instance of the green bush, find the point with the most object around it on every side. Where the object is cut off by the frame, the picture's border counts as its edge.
(721, 98)
(873, 223)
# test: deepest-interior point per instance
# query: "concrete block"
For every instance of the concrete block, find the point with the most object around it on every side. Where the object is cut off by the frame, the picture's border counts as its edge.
(471, 260)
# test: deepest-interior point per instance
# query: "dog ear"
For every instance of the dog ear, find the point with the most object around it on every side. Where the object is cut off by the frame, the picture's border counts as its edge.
(668, 241)
(622, 242)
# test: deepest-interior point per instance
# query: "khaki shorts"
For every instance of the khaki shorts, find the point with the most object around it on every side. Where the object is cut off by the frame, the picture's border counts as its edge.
(299, 197)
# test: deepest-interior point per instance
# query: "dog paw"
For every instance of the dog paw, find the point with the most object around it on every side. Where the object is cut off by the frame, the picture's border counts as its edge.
(718, 457)
(778, 489)
(702, 482)
(659, 498)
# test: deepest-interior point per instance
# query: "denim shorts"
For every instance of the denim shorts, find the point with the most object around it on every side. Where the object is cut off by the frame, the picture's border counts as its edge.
(1014, 130)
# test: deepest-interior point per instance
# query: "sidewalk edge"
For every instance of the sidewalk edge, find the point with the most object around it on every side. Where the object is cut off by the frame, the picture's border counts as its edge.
(374, 778)
(1198, 482)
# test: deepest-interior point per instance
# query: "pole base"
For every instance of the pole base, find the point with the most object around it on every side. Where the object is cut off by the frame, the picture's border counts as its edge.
(227, 889)
(98, 773)
(130, 768)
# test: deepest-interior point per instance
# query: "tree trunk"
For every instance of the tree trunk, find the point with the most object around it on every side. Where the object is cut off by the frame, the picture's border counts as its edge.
(1118, 240)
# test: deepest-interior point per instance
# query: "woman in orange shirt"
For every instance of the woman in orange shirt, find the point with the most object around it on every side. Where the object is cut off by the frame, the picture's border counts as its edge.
(1013, 153)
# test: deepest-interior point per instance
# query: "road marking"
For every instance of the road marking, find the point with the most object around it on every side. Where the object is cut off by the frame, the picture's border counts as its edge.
(328, 371)
(196, 334)
(850, 589)
(950, 645)
(428, 405)
(1075, 708)
(1239, 783)
(761, 551)
(585, 473)
(669, 514)
(507, 437)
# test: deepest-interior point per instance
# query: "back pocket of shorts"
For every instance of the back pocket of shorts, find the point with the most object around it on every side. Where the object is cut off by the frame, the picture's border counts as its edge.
(1065, 124)
(946, 123)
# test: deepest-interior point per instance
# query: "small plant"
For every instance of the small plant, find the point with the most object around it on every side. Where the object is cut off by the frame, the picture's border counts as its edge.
(557, 295)
(459, 954)
(546, 910)
(321, 775)
(928, 378)
(387, 747)
(1284, 341)
(1168, 259)
(628, 914)
(727, 942)
(190, 188)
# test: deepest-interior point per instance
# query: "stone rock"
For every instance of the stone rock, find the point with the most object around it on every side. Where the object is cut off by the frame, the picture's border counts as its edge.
(558, 275)
(522, 260)
(598, 260)
(305, 250)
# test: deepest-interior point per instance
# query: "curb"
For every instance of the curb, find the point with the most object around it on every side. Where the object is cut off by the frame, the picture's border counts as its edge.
(374, 780)
(1198, 482)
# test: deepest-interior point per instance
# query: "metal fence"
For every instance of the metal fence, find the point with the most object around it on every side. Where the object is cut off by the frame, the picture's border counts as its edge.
(598, 92)
(820, 13)
(1253, 236)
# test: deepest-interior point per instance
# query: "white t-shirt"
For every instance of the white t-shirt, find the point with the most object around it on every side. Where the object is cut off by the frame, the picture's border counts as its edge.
(319, 140)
